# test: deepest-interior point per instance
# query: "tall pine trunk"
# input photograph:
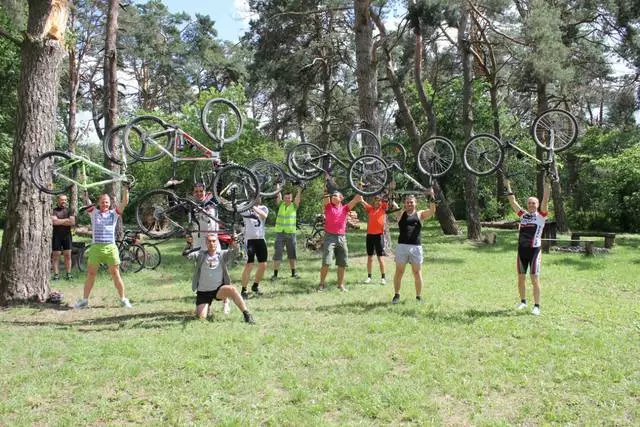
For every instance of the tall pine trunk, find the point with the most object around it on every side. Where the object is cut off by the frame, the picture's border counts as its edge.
(26, 243)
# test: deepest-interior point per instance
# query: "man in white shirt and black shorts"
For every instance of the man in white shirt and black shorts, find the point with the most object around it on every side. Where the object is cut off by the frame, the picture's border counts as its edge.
(254, 231)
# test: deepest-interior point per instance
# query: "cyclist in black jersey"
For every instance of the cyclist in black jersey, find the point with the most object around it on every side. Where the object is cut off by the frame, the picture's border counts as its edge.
(529, 242)
(409, 249)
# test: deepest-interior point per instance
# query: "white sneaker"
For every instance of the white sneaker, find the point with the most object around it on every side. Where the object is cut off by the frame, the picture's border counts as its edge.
(367, 280)
(81, 303)
(383, 281)
(521, 306)
(535, 311)
(226, 308)
(124, 302)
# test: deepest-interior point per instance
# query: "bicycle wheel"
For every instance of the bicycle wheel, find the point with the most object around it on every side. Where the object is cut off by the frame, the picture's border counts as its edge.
(221, 120)
(132, 258)
(339, 177)
(269, 176)
(361, 142)
(305, 161)
(314, 242)
(368, 175)
(394, 153)
(152, 256)
(203, 172)
(236, 188)
(53, 171)
(482, 154)
(160, 214)
(114, 147)
(150, 134)
(555, 127)
(436, 156)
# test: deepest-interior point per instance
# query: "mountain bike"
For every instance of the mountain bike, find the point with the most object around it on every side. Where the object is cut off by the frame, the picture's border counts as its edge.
(370, 175)
(132, 255)
(554, 130)
(148, 138)
(55, 172)
(307, 161)
(362, 141)
(313, 233)
(272, 177)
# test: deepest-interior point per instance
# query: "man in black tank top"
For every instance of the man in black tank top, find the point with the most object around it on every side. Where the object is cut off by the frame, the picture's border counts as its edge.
(62, 219)
(409, 249)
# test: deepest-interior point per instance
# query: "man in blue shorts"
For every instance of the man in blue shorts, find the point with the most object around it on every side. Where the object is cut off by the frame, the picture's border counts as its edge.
(529, 242)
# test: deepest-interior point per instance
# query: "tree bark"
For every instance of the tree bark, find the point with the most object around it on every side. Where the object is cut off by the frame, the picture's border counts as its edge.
(26, 243)
(366, 67)
(474, 228)
(72, 131)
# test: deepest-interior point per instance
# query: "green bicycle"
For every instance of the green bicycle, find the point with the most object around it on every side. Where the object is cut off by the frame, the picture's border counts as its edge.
(55, 172)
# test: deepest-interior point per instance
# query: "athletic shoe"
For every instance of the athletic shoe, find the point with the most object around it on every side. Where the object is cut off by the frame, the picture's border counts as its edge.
(256, 290)
(419, 299)
(226, 308)
(396, 299)
(341, 288)
(535, 311)
(124, 302)
(274, 278)
(248, 318)
(244, 295)
(56, 277)
(320, 288)
(68, 276)
(383, 281)
(81, 303)
(521, 306)
(367, 280)
(295, 276)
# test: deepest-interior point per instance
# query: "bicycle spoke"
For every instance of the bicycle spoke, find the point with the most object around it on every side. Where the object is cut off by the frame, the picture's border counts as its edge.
(482, 154)
(436, 156)
(236, 188)
(222, 120)
(368, 175)
(555, 128)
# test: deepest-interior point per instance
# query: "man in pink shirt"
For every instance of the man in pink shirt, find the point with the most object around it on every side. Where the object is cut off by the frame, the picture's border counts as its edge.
(335, 240)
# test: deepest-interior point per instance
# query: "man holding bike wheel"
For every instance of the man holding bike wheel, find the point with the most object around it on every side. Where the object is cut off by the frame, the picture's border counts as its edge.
(529, 242)
(103, 249)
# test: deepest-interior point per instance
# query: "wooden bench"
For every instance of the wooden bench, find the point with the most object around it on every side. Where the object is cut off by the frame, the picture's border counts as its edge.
(588, 244)
(609, 238)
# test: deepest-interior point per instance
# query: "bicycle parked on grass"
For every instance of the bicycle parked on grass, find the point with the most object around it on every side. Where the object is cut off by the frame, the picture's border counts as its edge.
(554, 130)
(148, 138)
(132, 255)
(370, 175)
(313, 233)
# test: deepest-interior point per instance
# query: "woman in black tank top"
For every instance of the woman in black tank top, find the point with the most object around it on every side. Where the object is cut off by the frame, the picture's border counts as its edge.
(409, 249)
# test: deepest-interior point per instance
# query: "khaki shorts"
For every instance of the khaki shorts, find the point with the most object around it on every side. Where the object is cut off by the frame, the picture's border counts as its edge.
(103, 253)
(335, 244)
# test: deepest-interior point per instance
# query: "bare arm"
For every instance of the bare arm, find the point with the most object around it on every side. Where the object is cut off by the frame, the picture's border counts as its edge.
(544, 205)
(356, 199)
(279, 195)
(326, 199)
(397, 212)
(427, 213)
(261, 213)
(296, 200)
(511, 197)
(124, 201)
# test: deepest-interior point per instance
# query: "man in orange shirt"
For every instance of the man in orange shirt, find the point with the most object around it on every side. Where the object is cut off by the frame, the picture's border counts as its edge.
(377, 215)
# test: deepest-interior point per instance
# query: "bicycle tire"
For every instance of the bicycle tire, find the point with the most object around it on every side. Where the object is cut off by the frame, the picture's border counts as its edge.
(314, 242)
(560, 124)
(436, 156)
(482, 154)
(394, 153)
(215, 110)
(204, 172)
(132, 257)
(45, 170)
(361, 142)
(270, 177)
(151, 132)
(305, 161)
(236, 188)
(153, 257)
(83, 258)
(160, 214)
(118, 153)
(369, 175)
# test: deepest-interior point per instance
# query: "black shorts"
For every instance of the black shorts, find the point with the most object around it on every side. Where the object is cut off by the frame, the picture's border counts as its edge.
(256, 248)
(206, 297)
(374, 242)
(61, 243)
(529, 257)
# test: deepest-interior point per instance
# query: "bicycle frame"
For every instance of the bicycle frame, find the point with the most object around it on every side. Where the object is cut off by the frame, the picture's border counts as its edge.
(179, 137)
(83, 162)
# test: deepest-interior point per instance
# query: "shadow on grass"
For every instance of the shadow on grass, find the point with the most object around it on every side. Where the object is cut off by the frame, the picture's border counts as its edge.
(150, 320)
(583, 263)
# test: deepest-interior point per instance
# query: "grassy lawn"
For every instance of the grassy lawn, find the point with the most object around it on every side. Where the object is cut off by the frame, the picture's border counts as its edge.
(464, 356)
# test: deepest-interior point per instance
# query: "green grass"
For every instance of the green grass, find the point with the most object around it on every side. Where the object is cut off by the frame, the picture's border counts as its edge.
(464, 356)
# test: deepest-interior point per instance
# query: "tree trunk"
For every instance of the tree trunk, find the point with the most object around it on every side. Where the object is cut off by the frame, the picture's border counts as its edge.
(26, 243)
(471, 181)
(72, 131)
(366, 67)
(110, 78)
(426, 103)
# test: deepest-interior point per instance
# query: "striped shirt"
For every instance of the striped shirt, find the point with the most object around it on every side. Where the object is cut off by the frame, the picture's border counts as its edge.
(103, 225)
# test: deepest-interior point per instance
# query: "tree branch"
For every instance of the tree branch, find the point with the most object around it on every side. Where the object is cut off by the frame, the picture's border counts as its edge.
(8, 36)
